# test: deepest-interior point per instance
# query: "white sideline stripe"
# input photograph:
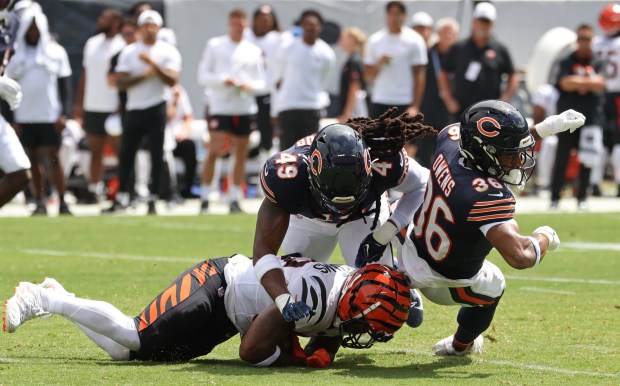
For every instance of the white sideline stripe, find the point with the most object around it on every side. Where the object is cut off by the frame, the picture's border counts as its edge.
(592, 246)
(547, 369)
(123, 256)
(108, 255)
(537, 289)
(563, 280)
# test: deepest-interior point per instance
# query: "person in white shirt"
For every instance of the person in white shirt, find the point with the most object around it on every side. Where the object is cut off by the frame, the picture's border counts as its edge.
(96, 99)
(146, 70)
(265, 33)
(395, 62)
(302, 70)
(233, 69)
(41, 67)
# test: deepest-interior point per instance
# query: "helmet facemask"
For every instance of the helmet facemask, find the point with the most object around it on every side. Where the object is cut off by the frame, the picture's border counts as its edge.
(358, 333)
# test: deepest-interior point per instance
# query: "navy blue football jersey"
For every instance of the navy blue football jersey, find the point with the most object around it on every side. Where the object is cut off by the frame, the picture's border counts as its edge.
(284, 179)
(458, 201)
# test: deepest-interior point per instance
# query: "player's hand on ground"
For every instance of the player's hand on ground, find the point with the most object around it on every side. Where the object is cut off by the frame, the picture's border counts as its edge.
(551, 235)
(568, 120)
(370, 251)
(319, 359)
(292, 311)
(11, 92)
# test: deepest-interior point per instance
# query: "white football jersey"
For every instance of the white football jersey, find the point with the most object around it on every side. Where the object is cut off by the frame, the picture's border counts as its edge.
(317, 284)
(608, 48)
(546, 96)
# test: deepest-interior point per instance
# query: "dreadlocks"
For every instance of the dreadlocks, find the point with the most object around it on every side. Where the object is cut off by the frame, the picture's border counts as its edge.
(385, 136)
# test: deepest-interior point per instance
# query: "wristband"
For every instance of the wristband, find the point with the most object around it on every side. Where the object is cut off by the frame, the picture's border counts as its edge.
(269, 361)
(266, 264)
(282, 300)
(536, 246)
(385, 233)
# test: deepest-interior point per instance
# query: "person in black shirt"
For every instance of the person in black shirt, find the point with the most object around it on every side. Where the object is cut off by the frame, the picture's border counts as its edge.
(352, 101)
(476, 65)
(433, 107)
(582, 87)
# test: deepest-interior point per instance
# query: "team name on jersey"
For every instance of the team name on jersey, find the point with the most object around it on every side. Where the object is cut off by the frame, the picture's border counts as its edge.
(442, 174)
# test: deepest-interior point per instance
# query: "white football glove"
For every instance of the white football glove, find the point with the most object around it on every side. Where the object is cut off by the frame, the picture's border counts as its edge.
(568, 120)
(551, 235)
(10, 91)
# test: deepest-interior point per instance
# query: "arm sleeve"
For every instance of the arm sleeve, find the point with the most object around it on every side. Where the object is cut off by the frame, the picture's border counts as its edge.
(122, 65)
(509, 67)
(65, 94)
(413, 188)
(207, 77)
(259, 79)
(173, 60)
(492, 209)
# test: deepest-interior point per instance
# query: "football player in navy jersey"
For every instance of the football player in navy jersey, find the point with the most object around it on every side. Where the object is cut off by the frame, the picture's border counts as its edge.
(468, 210)
(328, 189)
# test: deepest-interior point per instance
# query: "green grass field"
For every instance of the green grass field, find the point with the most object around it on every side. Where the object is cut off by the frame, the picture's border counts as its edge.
(558, 323)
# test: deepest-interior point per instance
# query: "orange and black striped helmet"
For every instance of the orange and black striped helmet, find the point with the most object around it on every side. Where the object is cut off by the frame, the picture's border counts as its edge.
(373, 306)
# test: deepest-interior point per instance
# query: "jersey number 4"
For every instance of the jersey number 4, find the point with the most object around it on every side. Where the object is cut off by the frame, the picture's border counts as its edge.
(437, 240)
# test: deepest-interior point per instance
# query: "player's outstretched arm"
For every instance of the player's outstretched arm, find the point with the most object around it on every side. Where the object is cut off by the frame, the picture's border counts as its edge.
(271, 226)
(519, 251)
(568, 120)
(260, 346)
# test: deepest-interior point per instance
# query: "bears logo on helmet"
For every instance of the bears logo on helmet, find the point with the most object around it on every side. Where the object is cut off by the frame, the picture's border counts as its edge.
(511, 139)
(373, 306)
(340, 169)
(609, 19)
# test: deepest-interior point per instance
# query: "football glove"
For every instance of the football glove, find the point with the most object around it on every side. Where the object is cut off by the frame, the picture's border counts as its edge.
(11, 92)
(568, 120)
(296, 350)
(319, 359)
(292, 311)
(551, 235)
(373, 246)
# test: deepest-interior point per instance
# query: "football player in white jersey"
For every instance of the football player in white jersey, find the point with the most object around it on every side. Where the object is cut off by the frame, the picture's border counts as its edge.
(213, 300)
(608, 48)
(13, 160)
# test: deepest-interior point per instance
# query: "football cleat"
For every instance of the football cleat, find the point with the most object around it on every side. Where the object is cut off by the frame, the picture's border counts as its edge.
(445, 347)
(235, 208)
(416, 311)
(204, 207)
(23, 306)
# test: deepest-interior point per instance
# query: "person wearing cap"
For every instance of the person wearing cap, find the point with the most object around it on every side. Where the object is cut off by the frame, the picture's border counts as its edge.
(474, 66)
(95, 98)
(395, 62)
(422, 23)
(146, 69)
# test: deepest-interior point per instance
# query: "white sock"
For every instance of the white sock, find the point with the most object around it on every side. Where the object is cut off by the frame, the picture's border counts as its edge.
(97, 316)
(92, 187)
(122, 198)
(235, 193)
(204, 192)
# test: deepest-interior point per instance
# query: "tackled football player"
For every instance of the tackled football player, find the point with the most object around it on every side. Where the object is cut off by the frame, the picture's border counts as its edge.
(329, 189)
(468, 210)
(214, 299)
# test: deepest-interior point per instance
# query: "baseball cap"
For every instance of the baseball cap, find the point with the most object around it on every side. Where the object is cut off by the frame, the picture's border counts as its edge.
(485, 11)
(150, 16)
(421, 19)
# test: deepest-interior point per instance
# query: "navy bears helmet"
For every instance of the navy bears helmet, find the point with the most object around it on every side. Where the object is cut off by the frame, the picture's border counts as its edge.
(340, 173)
(491, 129)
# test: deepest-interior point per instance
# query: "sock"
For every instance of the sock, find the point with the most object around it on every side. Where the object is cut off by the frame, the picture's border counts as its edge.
(235, 193)
(92, 187)
(99, 317)
(473, 321)
(205, 189)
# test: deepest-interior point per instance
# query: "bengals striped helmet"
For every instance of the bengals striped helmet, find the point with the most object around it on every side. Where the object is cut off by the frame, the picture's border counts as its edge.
(373, 306)
(609, 19)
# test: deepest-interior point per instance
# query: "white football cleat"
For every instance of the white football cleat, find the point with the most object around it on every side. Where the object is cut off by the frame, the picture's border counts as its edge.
(445, 348)
(53, 285)
(23, 306)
